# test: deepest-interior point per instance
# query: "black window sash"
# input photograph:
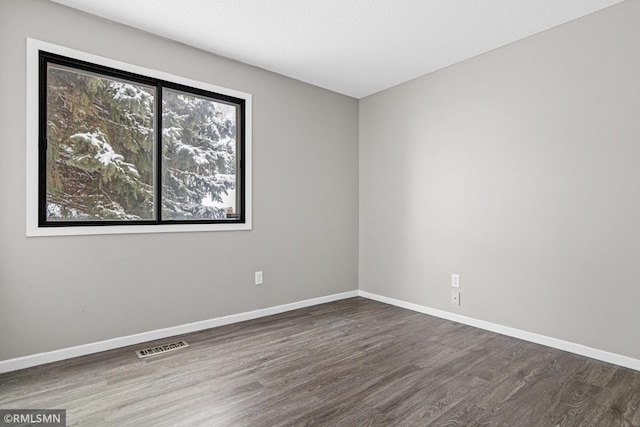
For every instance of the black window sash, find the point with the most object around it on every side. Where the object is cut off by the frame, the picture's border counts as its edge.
(46, 58)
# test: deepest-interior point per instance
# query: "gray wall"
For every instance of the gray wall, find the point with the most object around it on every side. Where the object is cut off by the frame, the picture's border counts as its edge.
(57, 292)
(520, 171)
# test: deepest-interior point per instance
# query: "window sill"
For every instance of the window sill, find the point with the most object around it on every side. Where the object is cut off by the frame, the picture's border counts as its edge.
(134, 229)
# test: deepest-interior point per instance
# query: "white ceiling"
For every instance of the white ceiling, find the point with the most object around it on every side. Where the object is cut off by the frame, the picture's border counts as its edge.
(354, 47)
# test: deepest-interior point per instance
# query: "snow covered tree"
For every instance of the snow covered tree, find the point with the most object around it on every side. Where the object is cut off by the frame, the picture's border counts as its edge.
(198, 155)
(100, 148)
(101, 161)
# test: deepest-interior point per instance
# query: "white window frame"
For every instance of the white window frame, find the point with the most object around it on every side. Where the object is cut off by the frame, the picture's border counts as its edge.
(33, 228)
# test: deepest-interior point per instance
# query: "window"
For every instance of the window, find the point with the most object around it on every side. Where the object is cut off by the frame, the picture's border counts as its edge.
(124, 149)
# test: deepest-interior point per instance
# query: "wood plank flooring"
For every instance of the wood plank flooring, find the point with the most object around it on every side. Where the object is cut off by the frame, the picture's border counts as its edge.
(354, 362)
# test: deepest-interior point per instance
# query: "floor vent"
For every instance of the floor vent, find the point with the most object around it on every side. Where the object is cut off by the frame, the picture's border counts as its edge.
(161, 349)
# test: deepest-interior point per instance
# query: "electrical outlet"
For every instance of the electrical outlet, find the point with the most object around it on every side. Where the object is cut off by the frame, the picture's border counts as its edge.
(259, 278)
(455, 280)
(455, 297)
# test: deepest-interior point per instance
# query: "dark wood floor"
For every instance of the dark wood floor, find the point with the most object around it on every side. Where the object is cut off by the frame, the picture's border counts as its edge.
(354, 362)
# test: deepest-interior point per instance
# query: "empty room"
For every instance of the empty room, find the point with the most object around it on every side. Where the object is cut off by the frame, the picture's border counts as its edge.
(332, 213)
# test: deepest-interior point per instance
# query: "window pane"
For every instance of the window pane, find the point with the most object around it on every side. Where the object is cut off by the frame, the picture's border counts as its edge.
(100, 151)
(199, 147)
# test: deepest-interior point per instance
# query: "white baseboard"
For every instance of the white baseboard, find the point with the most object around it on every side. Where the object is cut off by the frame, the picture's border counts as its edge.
(96, 347)
(82, 350)
(580, 349)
